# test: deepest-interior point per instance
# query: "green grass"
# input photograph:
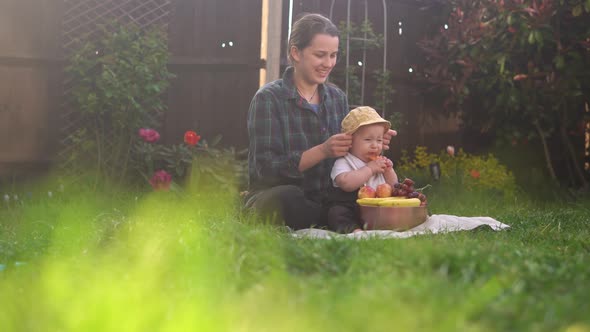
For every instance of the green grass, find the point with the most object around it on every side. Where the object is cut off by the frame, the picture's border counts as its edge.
(101, 260)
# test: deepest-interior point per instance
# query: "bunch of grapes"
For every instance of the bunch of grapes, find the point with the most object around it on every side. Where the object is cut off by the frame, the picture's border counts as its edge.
(406, 188)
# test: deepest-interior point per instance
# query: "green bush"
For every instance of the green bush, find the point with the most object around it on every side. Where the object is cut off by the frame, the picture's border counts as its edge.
(464, 170)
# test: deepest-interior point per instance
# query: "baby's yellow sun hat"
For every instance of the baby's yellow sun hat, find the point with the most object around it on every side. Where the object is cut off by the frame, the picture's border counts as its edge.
(362, 116)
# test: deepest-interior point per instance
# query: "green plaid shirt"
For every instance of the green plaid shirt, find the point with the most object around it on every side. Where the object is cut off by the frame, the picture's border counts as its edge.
(282, 125)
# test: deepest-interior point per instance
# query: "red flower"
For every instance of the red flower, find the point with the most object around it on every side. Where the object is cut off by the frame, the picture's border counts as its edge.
(475, 174)
(512, 29)
(191, 138)
(149, 135)
(520, 77)
(161, 180)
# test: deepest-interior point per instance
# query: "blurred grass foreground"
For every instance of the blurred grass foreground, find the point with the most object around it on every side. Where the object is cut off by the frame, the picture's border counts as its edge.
(75, 258)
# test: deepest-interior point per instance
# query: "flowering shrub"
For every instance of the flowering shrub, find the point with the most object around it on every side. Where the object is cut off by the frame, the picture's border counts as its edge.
(472, 172)
(191, 138)
(161, 180)
(119, 81)
(149, 135)
(515, 68)
(161, 165)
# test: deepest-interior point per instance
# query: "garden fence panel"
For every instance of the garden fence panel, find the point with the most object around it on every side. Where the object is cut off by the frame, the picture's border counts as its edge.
(29, 97)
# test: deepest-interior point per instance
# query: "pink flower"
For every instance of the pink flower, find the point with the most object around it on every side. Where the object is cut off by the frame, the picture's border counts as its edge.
(149, 135)
(451, 150)
(520, 77)
(475, 174)
(161, 180)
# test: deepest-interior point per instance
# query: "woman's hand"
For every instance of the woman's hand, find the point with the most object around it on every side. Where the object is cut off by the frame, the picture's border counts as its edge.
(337, 145)
(387, 138)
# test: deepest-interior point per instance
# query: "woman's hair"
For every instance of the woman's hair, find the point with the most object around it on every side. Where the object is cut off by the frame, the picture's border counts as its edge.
(306, 27)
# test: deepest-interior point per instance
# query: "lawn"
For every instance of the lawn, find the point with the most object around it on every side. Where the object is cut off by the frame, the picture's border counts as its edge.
(114, 259)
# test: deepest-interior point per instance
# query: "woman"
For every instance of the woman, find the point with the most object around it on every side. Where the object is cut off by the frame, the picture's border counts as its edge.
(294, 130)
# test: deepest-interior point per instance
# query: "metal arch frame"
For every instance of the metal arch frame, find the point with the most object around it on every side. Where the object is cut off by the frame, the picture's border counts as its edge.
(364, 50)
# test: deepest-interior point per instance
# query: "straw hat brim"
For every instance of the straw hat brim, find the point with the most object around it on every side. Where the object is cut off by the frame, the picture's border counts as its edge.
(386, 123)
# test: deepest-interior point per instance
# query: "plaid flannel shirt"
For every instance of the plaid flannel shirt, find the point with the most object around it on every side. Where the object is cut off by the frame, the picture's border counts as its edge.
(282, 125)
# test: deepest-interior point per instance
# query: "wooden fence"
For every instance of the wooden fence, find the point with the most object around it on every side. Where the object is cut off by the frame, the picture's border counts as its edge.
(30, 76)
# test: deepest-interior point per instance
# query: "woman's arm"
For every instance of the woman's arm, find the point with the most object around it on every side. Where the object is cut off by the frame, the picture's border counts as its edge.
(338, 144)
(334, 147)
(268, 159)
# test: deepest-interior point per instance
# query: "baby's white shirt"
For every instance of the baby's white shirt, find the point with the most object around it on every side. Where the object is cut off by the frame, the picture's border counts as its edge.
(351, 163)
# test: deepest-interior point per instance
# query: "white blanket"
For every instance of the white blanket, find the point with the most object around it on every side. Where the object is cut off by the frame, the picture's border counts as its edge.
(436, 223)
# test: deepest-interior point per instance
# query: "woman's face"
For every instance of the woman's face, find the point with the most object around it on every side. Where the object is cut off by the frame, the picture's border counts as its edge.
(315, 62)
(367, 142)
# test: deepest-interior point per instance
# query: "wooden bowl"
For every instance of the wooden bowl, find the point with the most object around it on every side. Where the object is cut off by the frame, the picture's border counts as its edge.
(393, 218)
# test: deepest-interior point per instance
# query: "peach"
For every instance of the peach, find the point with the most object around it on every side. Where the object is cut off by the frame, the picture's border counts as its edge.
(366, 192)
(384, 190)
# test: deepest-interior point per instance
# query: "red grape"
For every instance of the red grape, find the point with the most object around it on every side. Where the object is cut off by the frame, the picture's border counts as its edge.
(408, 182)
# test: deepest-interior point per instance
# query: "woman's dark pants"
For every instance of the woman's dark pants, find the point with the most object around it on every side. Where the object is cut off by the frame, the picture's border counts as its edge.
(288, 204)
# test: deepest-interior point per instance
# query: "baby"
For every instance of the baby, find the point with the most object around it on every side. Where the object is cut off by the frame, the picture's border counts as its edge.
(363, 165)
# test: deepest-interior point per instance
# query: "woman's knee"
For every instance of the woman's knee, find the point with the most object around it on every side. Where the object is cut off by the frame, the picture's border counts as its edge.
(287, 193)
(274, 201)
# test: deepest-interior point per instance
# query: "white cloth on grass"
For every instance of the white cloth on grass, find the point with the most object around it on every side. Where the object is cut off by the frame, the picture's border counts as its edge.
(436, 223)
(352, 163)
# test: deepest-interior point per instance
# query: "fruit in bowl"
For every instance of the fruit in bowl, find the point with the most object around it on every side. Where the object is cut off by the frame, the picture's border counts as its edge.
(398, 208)
(384, 190)
(367, 192)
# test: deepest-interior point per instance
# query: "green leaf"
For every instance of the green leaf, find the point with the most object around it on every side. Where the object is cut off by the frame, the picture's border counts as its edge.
(559, 62)
(577, 10)
(538, 36)
(502, 63)
(531, 37)
(587, 6)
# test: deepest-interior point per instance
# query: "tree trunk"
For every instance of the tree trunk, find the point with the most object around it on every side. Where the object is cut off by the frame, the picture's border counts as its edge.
(574, 158)
(546, 151)
(570, 171)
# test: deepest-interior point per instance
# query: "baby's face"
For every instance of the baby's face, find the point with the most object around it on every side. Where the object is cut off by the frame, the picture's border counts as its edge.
(367, 142)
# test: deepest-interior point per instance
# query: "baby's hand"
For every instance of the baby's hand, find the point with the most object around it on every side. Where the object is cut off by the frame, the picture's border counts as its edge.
(378, 165)
(388, 162)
